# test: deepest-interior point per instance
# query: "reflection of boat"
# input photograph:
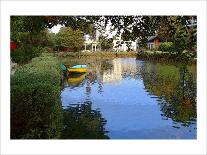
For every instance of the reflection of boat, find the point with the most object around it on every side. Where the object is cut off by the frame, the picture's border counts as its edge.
(78, 68)
(76, 78)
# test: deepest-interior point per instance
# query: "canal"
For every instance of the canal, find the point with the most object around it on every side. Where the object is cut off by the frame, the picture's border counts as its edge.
(137, 99)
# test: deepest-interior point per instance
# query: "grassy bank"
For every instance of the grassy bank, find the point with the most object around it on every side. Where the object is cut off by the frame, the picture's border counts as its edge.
(185, 57)
(98, 54)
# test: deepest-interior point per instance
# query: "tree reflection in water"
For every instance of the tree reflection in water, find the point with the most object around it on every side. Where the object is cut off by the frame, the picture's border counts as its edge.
(177, 98)
(81, 122)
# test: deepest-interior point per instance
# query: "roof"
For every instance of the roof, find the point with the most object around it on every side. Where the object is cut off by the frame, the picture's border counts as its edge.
(152, 38)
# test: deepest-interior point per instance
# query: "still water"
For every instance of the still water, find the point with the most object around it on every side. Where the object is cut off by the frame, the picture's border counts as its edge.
(138, 99)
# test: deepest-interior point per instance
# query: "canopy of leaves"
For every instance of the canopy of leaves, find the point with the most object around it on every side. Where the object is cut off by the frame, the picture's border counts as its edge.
(130, 27)
(70, 38)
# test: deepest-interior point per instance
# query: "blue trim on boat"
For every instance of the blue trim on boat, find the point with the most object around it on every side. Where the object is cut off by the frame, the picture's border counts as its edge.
(79, 66)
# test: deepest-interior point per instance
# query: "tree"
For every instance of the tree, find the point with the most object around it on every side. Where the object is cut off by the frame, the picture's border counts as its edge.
(133, 27)
(70, 38)
(105, 43)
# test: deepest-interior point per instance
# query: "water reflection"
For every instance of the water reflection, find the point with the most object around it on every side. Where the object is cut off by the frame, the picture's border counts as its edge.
(139, 99)
(175, 87)
(81, 122)
(119, 66)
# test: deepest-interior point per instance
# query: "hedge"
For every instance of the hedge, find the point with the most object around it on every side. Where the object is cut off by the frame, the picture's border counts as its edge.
(166, 46)
(25, 53)
(184, 57)
(36, 111)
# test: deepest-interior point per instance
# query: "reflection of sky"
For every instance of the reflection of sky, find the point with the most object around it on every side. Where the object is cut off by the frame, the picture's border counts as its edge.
(129, 110)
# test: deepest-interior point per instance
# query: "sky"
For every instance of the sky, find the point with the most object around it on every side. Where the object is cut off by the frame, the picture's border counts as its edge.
(55, 29)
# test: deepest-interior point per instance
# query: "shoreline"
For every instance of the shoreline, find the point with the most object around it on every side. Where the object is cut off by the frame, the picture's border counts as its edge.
(154, 57)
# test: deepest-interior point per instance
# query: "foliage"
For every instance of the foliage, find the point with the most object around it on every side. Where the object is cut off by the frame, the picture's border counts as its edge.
(35, 100)
(30, 45)
(105, 43)
(166, 46)
(70, 38)
(192, 38)
(81, 122)
(179, 41)
(128, 44)
(184, 57)
(32, 24)
(131, 27)
(30, 34)
(25, 53)
(82, 23)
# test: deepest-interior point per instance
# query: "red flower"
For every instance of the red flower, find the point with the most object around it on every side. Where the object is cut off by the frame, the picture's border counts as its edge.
(13, 46)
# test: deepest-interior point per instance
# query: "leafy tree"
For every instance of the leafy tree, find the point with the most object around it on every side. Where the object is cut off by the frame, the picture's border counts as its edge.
(105, 43)
(131, 27)
(141, 27)
(30, 45)
(70, 38)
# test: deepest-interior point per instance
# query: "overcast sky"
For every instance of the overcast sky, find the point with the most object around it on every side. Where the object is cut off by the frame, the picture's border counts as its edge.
(55, 29)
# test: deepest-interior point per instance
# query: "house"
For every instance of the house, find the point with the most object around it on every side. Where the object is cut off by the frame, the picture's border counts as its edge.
(153, 42)
(91, 41)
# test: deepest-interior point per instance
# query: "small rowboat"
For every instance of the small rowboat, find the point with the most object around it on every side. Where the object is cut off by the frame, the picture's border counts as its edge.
(78, 69)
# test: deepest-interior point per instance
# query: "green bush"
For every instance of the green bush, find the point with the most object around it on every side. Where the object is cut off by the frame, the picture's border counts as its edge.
(179, 45)
(25, 53)
(36, 111)
(166, 47)
(19, 55)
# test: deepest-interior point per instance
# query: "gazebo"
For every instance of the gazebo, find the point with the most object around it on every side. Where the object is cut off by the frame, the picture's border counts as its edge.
(92, 43)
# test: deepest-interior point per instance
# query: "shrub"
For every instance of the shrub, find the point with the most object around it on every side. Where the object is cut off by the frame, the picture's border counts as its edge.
(166, 47)
(179, 45)
(48, 49)
(36, 110)
(25, 53)
(19, 55)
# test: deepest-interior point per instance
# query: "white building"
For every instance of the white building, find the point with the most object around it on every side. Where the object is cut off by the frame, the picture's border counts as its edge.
(91, 41)
(120, 67)
(118, 44)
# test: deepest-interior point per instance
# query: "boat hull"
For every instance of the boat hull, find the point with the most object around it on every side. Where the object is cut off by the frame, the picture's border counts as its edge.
(79, 70)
